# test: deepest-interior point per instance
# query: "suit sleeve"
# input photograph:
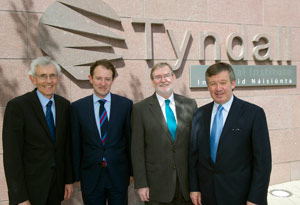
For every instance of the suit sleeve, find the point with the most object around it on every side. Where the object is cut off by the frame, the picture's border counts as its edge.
(138, 149)
(193, 155)
(68, 158)
(76, 143)
(128, 136)
(261, 159)
(13, 140)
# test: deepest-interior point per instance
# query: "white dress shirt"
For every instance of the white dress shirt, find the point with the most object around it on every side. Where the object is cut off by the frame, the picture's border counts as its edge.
(161, 101)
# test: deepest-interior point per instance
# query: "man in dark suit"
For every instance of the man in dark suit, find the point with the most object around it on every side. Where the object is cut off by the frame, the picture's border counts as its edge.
(230, 154)
(36, 154)
(161, 127)
(100, 133)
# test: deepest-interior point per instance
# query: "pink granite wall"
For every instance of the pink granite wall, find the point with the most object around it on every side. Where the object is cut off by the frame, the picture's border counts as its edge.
(18, 46)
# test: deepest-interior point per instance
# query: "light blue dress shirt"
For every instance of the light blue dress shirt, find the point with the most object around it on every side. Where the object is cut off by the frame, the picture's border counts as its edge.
(44, 101)
(97, 107)
(225, 111)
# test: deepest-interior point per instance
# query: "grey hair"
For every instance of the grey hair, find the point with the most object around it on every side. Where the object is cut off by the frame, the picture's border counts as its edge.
(43, 61)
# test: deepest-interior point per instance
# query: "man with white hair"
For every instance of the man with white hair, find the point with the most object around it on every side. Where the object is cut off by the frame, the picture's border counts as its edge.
(36, 140)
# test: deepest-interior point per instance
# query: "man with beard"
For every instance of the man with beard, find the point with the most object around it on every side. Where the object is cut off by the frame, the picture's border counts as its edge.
(161, 127)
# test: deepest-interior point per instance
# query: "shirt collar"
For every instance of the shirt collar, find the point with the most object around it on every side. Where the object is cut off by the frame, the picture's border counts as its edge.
(96, 98)
(161, 99)
(44, 100)
(226, 105)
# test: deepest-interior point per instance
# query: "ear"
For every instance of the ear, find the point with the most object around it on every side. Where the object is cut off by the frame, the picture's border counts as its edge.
(174, 76)
(32, 79)
(91, 79)
(114, 79)
(233, 84)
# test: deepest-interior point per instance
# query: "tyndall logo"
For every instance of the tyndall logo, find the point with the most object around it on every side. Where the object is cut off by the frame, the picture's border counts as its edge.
(76, 33)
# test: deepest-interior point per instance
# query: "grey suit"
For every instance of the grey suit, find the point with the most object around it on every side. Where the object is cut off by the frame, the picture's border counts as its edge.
(157, 160)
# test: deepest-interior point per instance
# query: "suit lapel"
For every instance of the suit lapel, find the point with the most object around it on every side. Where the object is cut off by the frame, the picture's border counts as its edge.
(37, 107)
(179, 114)
(207, 116)
(234, 114)
(58, 116)
(155, 109)
(113, 115)
(91, 116)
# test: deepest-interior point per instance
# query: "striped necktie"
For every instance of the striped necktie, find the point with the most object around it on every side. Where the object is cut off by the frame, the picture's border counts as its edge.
(103, 124)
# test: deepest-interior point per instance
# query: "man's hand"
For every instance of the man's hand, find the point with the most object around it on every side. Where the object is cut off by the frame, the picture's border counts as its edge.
(68, 191)
(131, 180)
(144, 193)
(196, 198)
(25, 203)
(250, 203)
(78, 184)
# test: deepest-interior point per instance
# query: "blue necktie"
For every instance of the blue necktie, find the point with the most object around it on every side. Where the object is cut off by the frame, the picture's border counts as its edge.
(171, 121)
(215, 134)
(50, 120)
(103, 125)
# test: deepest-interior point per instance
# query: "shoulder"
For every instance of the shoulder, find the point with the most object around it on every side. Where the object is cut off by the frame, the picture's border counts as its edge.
(143, 103)
(82, 101)
(185, 101)
(121, 99)
(61, 99)
(246, 105)
(183, 98)
(22, 99)
(204, 109)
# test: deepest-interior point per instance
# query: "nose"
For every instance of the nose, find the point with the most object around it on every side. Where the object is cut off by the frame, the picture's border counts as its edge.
(218, 86)
(48, 79)
(102, 82)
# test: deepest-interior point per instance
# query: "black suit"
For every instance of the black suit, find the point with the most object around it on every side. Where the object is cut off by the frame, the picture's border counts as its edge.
(243, 163)
(88, 150)
(29, 153)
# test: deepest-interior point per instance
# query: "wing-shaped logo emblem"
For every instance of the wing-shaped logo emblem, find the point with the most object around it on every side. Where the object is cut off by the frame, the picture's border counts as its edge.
(76, 33)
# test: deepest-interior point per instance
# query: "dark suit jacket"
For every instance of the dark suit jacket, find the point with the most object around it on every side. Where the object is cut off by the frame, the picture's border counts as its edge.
(88, 150)
(156, 158)
(29, 153)
(243, 163)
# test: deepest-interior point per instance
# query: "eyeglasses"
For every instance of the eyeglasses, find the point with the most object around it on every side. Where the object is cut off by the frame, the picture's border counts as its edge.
(165, 76)
(44, 77)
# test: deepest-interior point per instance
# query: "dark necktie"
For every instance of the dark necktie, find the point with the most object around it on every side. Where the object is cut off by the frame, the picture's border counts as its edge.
(50, 120)
(215, 134)
(171, 121)
(103, 124)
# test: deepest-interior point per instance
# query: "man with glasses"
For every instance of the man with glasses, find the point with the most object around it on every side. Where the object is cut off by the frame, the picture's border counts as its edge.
(36, 141)
(161, 127)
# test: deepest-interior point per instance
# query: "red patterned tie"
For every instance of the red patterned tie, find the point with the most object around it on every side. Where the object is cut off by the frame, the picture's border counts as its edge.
(103, 126)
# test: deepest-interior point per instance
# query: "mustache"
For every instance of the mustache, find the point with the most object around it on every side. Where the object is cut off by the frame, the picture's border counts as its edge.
(165, 83)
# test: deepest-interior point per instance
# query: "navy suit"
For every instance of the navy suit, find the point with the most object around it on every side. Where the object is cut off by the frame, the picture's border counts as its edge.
(88, 150)
(243, 163)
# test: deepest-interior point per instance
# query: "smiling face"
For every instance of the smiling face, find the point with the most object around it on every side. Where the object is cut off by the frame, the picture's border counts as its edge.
(220, 87)
(162, 81)
(102, 81)
(45, 79)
